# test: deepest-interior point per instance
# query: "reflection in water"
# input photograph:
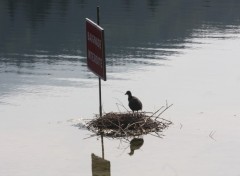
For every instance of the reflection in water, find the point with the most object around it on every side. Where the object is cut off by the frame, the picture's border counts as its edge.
(102, 142)
(135, 144)
(100, 166)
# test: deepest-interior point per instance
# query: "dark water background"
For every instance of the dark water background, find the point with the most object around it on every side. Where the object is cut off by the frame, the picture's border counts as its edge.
(47, 37)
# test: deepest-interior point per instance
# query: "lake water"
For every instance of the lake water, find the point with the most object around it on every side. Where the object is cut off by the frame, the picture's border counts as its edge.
(185, 52)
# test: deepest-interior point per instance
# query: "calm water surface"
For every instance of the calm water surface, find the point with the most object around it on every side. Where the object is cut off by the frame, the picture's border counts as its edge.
(185, 52)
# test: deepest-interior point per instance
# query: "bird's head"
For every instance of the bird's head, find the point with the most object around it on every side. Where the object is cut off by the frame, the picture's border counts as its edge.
(128, 93)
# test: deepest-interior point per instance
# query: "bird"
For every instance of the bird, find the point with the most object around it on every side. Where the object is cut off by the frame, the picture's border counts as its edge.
(133, 102)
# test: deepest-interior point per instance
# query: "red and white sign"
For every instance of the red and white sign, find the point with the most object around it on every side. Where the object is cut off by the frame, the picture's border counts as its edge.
(95, 49)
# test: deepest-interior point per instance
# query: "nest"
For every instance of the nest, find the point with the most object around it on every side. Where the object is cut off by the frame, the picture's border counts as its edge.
(128, 124)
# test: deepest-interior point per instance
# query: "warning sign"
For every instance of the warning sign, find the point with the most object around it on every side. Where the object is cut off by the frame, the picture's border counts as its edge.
(95, 49)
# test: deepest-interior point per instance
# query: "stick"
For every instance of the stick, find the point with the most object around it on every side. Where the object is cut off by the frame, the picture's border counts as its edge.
(163, 111)
(120, 103)
(156, 111)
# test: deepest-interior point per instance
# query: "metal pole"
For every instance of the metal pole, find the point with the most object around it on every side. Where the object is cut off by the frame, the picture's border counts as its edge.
(99, 79)
(100, 98)
(100, 91)
(98, 16)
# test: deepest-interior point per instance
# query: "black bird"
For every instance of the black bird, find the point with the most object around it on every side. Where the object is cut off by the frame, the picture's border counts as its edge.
(134, 103)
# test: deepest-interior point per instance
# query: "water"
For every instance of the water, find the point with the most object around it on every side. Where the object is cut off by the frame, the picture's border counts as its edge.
(185, 52)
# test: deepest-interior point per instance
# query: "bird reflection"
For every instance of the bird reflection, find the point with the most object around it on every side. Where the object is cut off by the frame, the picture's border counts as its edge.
(135, 144)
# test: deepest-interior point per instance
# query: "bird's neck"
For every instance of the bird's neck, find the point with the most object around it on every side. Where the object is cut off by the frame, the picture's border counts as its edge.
(129, 96)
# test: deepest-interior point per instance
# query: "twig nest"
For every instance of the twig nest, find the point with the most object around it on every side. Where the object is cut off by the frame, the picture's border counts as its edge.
(127, 124)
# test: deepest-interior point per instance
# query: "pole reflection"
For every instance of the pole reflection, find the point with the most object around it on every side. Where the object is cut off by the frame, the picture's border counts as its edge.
(102, 167)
